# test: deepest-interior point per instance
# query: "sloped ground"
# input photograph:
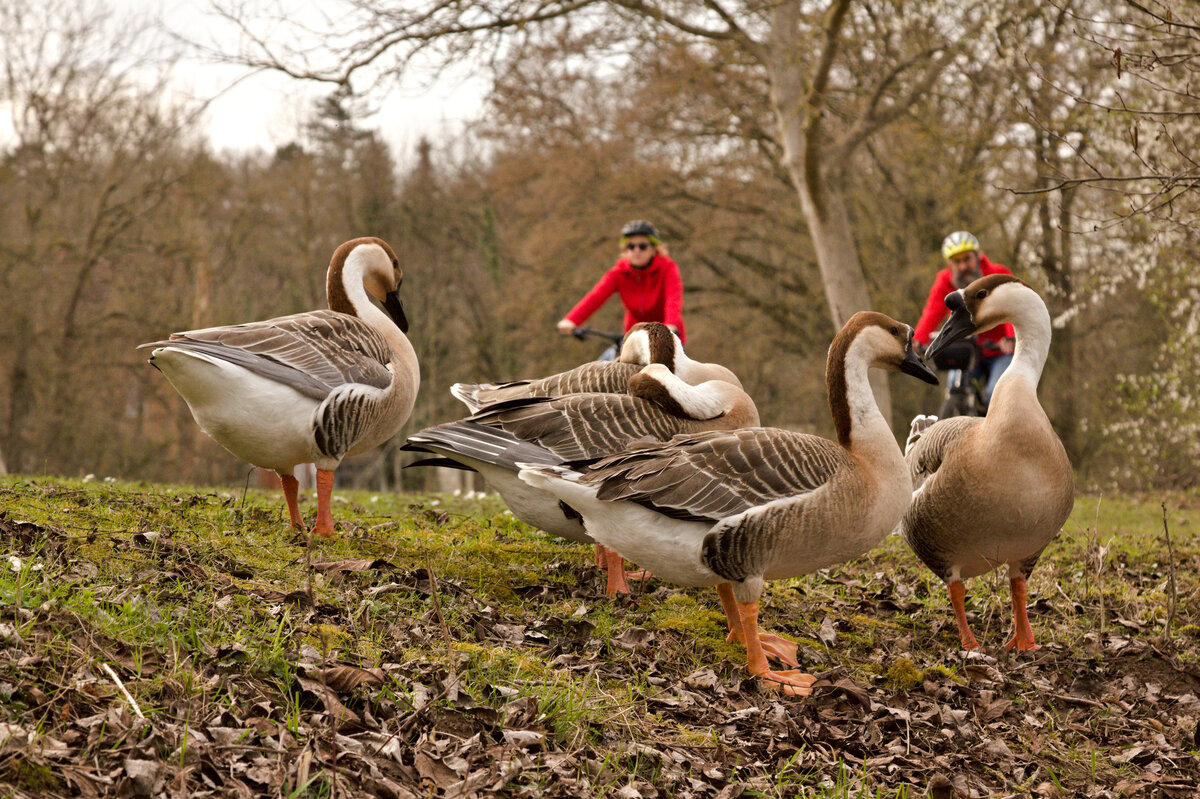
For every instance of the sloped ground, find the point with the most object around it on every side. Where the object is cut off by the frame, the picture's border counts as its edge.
(441, 649)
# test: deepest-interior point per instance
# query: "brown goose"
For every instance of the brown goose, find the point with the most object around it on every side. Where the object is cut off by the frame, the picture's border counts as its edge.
(733, 509)
(646, 343)
(963, 520)
(313, 387)
(580, 427)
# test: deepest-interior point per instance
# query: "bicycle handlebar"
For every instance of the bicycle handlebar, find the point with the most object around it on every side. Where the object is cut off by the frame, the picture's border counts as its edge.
(583, 332)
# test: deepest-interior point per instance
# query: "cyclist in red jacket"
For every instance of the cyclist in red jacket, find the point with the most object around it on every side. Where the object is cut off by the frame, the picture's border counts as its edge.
(646, 278)
(964, 264)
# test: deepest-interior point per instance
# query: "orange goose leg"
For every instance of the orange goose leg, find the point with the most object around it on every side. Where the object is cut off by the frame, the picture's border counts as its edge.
(602, 563)
(793, 682)
(324, 526)
(958, 593)
(291, 487)
(616, 574)
(1022, 639)
(773, 646)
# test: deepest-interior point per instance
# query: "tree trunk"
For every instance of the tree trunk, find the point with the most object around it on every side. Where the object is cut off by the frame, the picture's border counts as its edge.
(797, 108)
(841, 270)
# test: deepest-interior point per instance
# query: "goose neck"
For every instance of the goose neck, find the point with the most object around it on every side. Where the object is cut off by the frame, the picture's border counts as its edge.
(348, 294)
(1031, 324)
(856, 416)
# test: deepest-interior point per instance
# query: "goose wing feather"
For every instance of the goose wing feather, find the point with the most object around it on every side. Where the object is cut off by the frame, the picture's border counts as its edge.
(583, 427)
(926, 453)
(478, 442)
(710, 476)
(314, 352)
(599, 377)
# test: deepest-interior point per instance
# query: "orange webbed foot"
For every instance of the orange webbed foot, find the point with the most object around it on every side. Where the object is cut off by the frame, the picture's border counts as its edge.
(1021, 644)
(792, 683)
(780, 649)
(324, 532)
(773, 646)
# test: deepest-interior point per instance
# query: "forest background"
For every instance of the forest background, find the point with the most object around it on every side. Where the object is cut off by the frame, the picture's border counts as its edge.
(1062, 134)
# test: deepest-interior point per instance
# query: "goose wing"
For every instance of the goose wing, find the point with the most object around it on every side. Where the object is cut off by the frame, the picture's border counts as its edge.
(472, 441)
(925, 453)
(314, 352)
(584, 427)
(711, 476)
(599, 377)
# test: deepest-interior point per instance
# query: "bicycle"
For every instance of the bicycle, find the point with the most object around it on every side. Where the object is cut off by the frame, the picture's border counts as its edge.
(964, 388)
(615, 339)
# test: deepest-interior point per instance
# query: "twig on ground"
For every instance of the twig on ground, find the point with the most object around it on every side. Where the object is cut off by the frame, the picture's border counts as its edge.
(1099, 563)
(124, 693)
(437, 608)
(1170, 573)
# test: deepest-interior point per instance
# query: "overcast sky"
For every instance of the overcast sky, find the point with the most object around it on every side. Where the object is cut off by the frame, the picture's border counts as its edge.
(264, 111)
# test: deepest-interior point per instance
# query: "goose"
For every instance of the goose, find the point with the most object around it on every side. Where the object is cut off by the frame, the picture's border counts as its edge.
(312, 387)
(995, 489)
(645, 343)
(732, 509)
(577, 428)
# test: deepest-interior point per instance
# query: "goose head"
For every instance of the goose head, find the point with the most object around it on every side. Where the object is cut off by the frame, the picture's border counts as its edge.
(985, 303)
(373, 264)
(651, 342)
(880, 340)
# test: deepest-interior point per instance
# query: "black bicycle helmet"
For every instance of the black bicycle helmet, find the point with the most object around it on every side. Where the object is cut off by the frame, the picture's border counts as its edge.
(639, 227)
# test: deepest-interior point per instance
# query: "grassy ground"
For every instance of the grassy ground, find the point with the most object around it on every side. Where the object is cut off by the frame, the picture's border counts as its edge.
(441, 648)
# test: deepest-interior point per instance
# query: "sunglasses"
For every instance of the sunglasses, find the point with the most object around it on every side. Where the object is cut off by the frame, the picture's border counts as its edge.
(640, 245)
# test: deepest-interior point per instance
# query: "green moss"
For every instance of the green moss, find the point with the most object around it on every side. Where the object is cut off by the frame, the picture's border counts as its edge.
(944, 671)
(903, 675)
(38, 778)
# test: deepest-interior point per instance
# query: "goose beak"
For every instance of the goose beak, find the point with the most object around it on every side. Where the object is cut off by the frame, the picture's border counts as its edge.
(395, 309)
(958, 326)
(912, 365)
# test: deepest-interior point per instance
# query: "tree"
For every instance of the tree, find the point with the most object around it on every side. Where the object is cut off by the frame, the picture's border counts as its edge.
(96, 151)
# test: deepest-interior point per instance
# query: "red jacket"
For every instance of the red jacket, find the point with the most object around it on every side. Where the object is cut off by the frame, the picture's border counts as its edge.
(935, 309)
(653, 294)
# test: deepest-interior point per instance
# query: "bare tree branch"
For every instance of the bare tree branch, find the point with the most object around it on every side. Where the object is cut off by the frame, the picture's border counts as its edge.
(1168, 22)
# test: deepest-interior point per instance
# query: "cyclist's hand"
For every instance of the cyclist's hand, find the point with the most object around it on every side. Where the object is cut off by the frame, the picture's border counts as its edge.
(1008, 346)
(566, 327)
(673, 329)
(918, 348)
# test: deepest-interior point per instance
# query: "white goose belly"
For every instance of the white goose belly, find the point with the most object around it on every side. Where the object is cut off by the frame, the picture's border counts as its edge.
(668, 547)
(535, 507)
(259, 420)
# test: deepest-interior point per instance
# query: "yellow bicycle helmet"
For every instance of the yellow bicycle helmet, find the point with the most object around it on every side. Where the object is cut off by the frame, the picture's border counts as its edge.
(958, 242)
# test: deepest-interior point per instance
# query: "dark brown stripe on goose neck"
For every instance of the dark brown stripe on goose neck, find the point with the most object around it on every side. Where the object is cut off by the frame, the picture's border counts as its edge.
(335, 284)
(835, 370)
(662, 344)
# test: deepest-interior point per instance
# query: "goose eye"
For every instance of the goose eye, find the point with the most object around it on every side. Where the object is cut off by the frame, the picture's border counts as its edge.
(895, 330)
(981, 294)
